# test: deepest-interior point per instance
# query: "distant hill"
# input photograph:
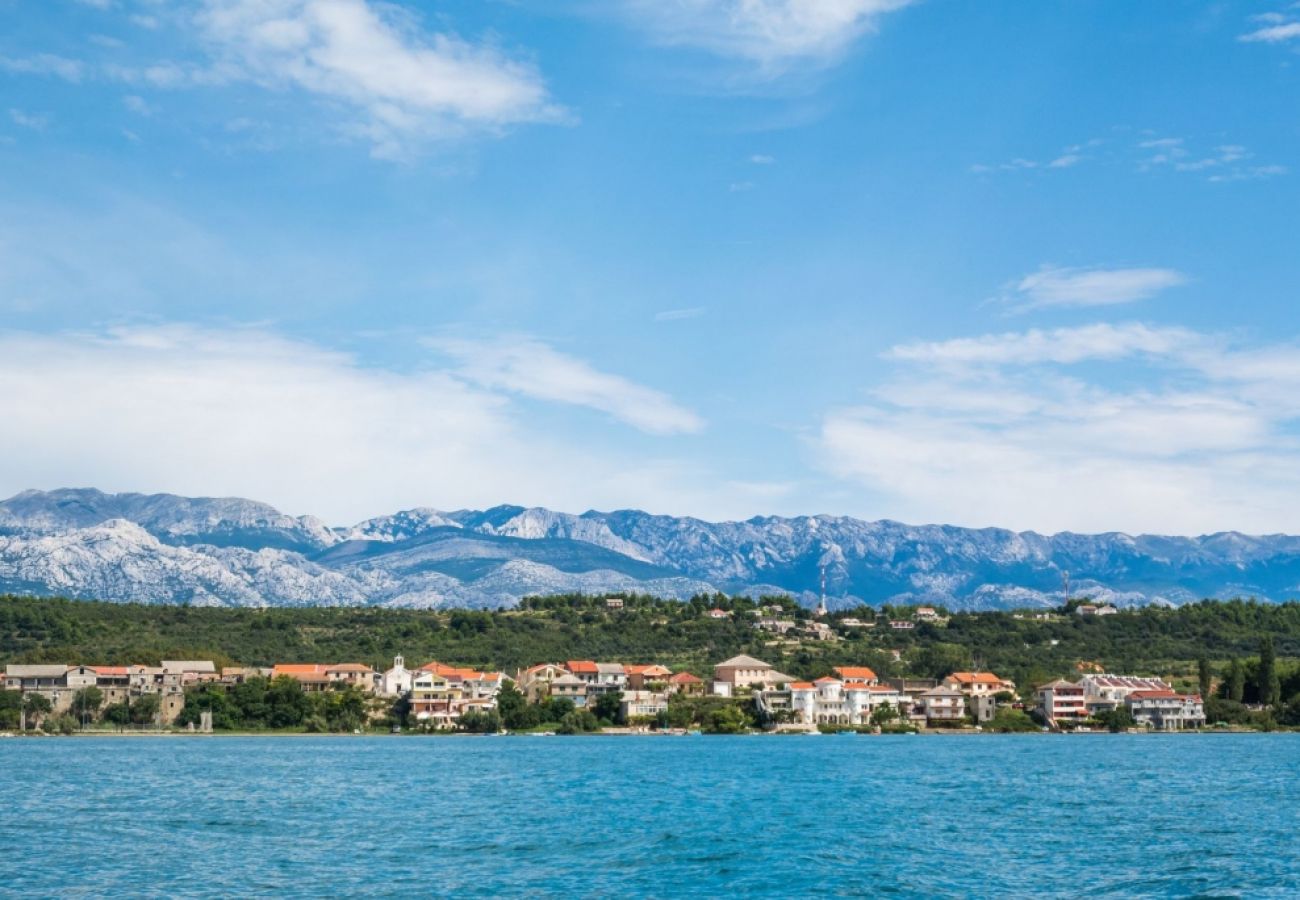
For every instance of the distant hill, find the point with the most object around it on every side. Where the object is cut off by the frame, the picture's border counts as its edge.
(163, 548)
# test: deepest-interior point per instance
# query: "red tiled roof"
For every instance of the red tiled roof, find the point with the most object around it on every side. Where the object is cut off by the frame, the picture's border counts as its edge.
(801, 686)
(295, 670)
(110, 670)
(1156, 695)
(684, 678)
(861, 672)
(826, 679)
(976, 678)
(585, 666)
(349, 667)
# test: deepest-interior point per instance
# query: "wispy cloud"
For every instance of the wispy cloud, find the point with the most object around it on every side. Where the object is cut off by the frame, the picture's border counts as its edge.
(762, 159)
(409, 83)
(1273, 34)
(1225, 162)
(1053, 286)
(772, 34)
(45, 64)
(1042, 429)
(1220, 163)
(526, 366)
(677, 315)
(30, 121)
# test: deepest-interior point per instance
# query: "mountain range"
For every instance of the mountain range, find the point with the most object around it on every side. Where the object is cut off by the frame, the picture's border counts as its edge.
(162, 548)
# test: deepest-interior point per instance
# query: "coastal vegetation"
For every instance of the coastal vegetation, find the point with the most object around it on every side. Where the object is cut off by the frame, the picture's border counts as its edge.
(1241, 656)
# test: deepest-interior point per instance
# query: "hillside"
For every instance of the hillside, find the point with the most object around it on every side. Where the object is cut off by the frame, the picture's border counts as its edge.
(1027, 649)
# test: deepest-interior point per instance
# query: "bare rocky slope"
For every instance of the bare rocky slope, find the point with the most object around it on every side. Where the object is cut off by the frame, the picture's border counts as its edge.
(162, 548)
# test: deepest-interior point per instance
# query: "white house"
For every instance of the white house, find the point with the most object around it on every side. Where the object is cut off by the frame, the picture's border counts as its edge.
(1166, 710)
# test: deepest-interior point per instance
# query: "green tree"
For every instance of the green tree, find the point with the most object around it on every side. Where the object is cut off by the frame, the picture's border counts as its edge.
(11, 703)
(556, 708)
(1235, 681)
(609, 707)
(86, 703)
(478, 721)
(1204, 677)
(726, 719)
(1117, 719)
(579, 721)
(36, 707)
(1007, 720)
(1266, 680)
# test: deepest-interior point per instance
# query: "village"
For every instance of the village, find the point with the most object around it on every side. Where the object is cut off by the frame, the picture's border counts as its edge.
(439, 697)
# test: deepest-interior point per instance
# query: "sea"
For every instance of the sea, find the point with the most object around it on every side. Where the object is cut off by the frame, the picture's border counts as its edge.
(1190, 815)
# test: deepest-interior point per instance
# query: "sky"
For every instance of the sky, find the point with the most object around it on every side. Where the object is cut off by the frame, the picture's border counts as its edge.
(1026, 265)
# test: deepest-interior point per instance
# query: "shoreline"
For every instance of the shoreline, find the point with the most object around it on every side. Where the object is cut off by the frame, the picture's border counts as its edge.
(627, 734)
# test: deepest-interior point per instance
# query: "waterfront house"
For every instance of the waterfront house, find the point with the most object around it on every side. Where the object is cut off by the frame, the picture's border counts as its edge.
(639, 676)
(1104, 691)
(311, 676)
(686, 684)
(973, 684)
(50, 681)
(610, 677)
(942, 704)
(357, 675)
(570, 687)
(742, 673)
(1062, 702)
(535, 682)
(643, 704)
(584, 669)
(1166, 710)
(191, 670)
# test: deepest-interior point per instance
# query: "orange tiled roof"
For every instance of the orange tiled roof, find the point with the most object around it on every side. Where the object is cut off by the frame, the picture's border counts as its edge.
(585, 666)
(976, 678)
(684, 678)
(296, 670)
(857, 686)
(861, 672)
(349, 667)
(801, 686)
(110, 670)
(826, 679)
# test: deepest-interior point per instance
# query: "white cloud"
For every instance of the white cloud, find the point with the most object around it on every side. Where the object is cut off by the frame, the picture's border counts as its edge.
(677, 315)
(31, 121)
(1052, 286)
(762, 159)
(137, 104)
(524, 365)
(409, 84)
(1062, 346)
(45, 64)
(771, 33)
(1273, 34)
(740, 187)
(244, 412)
(993, 430)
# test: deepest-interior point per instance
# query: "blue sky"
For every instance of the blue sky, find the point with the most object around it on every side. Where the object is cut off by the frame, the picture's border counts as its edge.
(1028, 265)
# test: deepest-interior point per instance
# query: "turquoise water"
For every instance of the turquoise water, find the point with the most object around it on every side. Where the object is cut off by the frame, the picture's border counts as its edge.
(983, 816)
